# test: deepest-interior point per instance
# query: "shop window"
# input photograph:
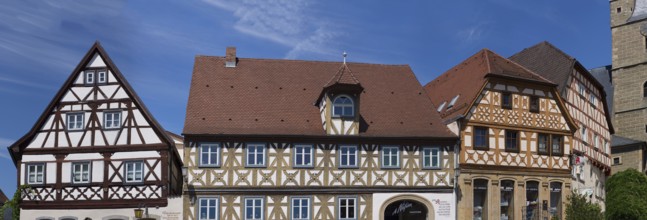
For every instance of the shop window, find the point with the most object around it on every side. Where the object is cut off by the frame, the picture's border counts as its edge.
(507, 199)
(556, 200)
(480, 199)
(532, 209)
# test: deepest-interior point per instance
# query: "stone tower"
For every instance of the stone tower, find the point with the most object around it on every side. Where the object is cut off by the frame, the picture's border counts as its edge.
(629, 67)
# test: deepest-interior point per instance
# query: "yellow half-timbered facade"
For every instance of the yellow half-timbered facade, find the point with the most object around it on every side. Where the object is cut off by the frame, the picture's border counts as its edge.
(516, 138)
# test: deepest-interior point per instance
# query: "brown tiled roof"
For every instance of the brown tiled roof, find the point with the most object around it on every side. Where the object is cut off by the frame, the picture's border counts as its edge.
(343, 76)
(466, 79)
(552, 63)
(277, 97)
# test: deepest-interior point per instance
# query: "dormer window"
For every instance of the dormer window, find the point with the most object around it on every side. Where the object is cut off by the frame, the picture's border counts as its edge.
(451, 103)
(343, 106)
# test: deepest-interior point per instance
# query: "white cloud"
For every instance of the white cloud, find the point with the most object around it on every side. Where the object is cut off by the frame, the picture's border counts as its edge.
(286, 22)
(472, 33)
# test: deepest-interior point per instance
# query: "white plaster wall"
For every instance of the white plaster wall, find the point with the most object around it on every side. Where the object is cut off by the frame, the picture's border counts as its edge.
(134, 155)
(38, 158)
(171, 212)
(433, 198)
(88, 156)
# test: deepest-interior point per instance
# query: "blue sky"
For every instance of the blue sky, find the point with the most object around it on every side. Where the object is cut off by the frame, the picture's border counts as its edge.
(153, 43)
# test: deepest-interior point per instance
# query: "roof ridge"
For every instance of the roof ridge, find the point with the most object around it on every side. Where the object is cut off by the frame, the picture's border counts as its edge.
(306, 61)
(487, 60)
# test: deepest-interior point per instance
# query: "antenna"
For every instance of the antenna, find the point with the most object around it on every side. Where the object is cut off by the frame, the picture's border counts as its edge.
(344, 54)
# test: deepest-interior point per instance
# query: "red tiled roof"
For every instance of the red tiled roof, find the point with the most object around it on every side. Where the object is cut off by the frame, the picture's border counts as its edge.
(466, 79)
(343, 76)
(277, 97)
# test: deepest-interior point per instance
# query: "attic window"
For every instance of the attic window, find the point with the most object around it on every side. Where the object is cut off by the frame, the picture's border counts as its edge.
(440, 108)
(451, 103)
(343, 106)
(618, 10)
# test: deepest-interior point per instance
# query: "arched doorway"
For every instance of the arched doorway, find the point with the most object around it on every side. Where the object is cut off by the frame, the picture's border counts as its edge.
(406, 209)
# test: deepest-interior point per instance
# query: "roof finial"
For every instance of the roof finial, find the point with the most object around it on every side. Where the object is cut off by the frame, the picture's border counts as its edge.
(344, 54)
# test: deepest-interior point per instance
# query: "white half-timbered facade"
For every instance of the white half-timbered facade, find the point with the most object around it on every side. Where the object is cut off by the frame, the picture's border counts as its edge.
(96, 151)
(287, 139)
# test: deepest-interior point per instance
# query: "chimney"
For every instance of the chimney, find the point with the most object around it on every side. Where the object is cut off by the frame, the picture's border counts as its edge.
(230, 57)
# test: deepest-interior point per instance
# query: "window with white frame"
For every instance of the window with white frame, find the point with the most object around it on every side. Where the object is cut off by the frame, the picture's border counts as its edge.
(208, 208)
(581, 89)
(255, 155)
(592, 99)
(596, 141)
(300, 208)
(343, 106)
(303, 155)
(35, 173)
(390, 157)
(134, 172)
(348, 156)
(81, 172)
(89, 77)
(431, 157)
(347, 209)
(209, 154)
(254, 209)
(584, 134)
(111, 120)
(101, 77)
(75, 121)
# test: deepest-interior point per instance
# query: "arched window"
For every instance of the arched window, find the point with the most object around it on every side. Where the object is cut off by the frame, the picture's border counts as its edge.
(645, 89)
(480, 199)
(532, 210)
(343, 106)
(507, 199)
(556, 200)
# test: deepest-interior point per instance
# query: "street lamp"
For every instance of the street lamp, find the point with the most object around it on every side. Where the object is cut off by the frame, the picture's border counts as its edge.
(138, 213)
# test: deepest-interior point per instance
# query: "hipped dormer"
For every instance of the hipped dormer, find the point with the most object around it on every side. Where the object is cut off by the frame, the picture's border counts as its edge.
(339, 103)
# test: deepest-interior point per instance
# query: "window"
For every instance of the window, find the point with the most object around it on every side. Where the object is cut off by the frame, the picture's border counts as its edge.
(101, 76)
(557, 145)
(343, 106)
(440, 108)
(595, 141)
(390, 157)
(592, 99)
(532, 200)
(347, 209)
(645, 89)
(452, 102)
(111, 120)
(480, 199)
(618, 10)
(506, 100)
(89, 77)
(209, 155)
(617, 161)
(431, 157)
(255, 155)
(555, 200)
(534, 104)
(580, 86)
(81, 172)
(584, 134)
(254, 208)
(134, 172)
(35, 174)
(75, 121)
(300, 208)
(348, 156)
(303, 155)
(507, 199)
(543, 141)
(512, 140)
(481, 138)
(208, 208)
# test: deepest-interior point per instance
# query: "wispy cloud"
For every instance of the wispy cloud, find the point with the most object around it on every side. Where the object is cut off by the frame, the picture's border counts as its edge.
(285, 22)
(5, 142)
(25, 83)
(473, 33)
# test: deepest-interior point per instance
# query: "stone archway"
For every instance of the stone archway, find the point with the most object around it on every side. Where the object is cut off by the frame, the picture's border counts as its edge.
(406, 207)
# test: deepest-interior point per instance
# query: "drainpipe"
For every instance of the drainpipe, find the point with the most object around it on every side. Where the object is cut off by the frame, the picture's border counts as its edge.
(457, 170)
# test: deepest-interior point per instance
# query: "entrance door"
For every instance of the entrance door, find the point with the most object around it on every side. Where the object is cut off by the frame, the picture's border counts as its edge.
(405, 210)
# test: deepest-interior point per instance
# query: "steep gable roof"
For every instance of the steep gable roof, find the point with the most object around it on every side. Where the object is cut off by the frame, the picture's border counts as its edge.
(343, 76)
(552, 63)
(466, 80)
(89, 57)
(277, 97)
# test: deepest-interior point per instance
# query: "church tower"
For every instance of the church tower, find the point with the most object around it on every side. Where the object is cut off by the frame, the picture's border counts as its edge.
(629, 67)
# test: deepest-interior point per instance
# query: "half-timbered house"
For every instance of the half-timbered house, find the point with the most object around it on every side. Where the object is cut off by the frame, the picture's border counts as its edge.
(516, 138)
(96, 151)
(290, 139)
(586, 101)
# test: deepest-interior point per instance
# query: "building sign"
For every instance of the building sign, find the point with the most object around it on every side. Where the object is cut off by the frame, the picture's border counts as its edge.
(405, 209)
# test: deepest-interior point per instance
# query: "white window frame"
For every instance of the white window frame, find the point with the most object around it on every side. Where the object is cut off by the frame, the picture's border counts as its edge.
(248, 151)
(81, 168)
(212, 155)
(89, 77)
(261, 207)
(32, 170)
(354, 207)
(343, 106)
(102, 76)
(582, 90)
(293, 215)
(593, 99)
(427, 153)
(75, 126)
(134, 171)
(584, 134)
(596, 143)
(112, 120)
(390, 155)
(348, 156)
(303, 155)
(216, 208)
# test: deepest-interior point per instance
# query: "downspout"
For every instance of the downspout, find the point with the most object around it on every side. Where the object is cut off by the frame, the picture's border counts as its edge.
(457, 149)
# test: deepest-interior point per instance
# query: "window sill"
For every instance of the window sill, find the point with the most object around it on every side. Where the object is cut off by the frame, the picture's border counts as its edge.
(348, 167)
(209, 166)
(431, 168)
(390, 167)
(512, 150)
(482, 148)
